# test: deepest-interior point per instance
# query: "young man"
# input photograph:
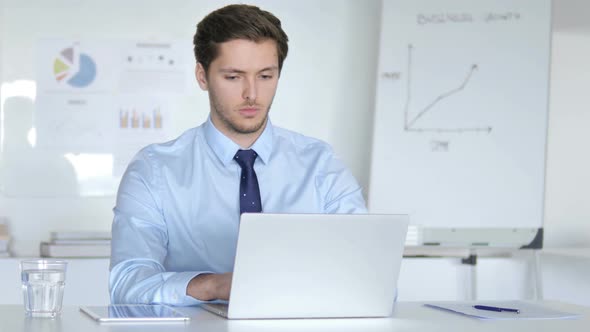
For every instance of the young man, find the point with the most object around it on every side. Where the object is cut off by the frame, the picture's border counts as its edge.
(178, 206)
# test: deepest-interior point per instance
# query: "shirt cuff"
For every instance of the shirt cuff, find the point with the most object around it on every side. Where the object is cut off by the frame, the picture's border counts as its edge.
(175, 289)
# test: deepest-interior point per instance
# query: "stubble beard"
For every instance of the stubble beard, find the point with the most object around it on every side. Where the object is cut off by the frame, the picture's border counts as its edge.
(222, 114)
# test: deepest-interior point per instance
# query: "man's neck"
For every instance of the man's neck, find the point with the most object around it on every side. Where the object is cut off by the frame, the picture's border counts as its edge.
(245, 141)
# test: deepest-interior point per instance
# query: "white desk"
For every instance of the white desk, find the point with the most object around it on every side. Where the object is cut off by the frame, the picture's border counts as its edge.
(408, 316)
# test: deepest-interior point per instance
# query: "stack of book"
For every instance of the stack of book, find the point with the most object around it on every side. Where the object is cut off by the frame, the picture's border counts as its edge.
(77, 244)
(4, 240)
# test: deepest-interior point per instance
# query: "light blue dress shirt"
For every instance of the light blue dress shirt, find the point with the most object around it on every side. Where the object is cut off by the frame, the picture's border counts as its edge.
(177, 209)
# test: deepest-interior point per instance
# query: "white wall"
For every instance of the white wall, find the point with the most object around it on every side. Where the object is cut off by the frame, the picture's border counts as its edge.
(86, 282)
(567, 207)
(1, 47)
(566, 278)
(326, 89)
(344, 117)
(567, 199)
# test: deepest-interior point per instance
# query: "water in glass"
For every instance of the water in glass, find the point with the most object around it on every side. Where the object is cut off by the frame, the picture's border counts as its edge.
(43, 291)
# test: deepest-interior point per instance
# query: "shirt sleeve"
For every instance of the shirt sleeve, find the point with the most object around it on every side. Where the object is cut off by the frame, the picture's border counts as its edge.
(139, 243)
(341, 191)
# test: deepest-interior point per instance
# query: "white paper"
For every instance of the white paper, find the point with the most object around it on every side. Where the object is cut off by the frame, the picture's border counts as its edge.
(527, 310)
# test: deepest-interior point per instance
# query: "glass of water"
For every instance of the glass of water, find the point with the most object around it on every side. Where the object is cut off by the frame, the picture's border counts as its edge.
(43, 286)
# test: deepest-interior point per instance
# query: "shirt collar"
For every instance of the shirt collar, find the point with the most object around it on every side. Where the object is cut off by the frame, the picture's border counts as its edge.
(263, 145)
(225, 148)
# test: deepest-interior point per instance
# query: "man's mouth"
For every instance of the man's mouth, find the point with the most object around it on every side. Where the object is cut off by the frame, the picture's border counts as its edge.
(249, 111)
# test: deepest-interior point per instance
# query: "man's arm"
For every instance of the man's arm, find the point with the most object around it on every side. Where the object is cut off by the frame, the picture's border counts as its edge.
(139, 244)
(341, 191)
(144, 284)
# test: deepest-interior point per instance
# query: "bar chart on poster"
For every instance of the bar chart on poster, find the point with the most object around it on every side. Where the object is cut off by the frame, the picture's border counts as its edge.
(461, 119)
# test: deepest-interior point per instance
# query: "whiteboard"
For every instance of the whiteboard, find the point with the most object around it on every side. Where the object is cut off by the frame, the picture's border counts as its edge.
(461, 113)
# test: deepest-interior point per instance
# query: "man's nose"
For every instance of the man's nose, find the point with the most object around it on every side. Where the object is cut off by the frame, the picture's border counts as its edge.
(249, 93)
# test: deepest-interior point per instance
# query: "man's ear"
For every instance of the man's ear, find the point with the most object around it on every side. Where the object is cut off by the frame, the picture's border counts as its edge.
(201, 76)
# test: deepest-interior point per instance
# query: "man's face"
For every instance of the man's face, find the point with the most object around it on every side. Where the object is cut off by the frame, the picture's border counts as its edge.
(242, 82)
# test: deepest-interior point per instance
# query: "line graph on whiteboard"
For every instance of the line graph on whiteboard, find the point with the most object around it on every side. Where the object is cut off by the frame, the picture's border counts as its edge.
(414, 114)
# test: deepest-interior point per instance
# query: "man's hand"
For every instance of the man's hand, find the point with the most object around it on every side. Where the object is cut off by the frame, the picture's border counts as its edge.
(207, 287)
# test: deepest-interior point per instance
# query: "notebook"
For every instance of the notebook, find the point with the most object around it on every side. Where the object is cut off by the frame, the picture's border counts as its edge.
(315, 266)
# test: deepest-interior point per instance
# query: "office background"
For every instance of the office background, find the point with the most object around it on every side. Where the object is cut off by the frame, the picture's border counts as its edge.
(326, 91)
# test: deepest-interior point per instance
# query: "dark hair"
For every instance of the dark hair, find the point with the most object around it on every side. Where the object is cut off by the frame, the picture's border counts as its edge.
(237, 22)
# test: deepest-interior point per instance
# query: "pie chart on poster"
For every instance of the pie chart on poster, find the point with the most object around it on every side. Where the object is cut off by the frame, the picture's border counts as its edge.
(73, 68)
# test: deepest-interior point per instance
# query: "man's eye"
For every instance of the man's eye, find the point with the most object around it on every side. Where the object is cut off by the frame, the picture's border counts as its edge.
(232, 78)
(266, 77)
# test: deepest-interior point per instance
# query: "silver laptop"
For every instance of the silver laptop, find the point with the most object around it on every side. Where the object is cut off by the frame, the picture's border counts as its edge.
(315, 266)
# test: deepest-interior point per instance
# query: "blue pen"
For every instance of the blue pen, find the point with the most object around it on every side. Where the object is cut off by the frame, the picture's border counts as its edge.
(497, 309)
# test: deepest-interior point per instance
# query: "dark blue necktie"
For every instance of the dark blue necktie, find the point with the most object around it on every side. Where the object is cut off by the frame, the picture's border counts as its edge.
(249, 191)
